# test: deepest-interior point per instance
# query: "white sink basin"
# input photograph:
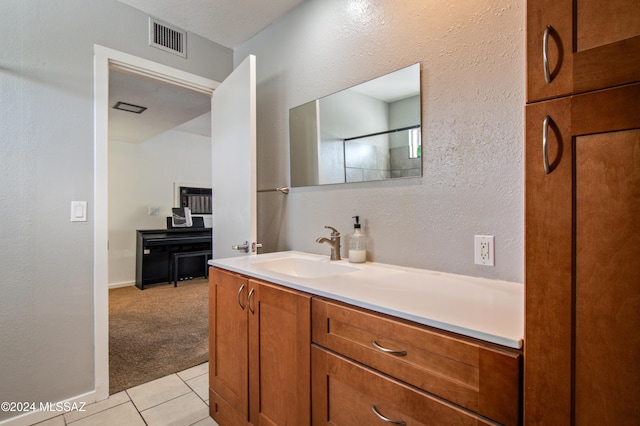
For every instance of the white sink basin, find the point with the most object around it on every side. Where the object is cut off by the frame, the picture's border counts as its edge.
(305, 268)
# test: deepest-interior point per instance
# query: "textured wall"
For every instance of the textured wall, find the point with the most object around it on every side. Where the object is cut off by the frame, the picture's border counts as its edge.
(472, 63)
(46, 155)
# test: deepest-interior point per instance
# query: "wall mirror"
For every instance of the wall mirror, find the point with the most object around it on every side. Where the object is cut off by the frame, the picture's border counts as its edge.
(368, 132)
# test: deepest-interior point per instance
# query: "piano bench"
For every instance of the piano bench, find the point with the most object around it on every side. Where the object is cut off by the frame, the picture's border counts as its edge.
(175, 262)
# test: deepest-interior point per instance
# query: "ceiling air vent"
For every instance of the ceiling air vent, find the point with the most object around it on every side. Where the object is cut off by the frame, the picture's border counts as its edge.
(167, 38)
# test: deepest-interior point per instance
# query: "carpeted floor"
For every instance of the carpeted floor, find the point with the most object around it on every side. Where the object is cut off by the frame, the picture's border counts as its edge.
(156, 331)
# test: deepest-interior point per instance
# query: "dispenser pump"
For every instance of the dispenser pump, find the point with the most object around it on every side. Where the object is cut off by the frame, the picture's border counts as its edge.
(357, 244)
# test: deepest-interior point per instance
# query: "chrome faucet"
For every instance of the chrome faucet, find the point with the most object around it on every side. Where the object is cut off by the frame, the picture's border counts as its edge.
(334, 242)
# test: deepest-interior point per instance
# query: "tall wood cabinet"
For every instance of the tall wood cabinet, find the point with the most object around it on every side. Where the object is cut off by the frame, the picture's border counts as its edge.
(259, 338)
(582, 210)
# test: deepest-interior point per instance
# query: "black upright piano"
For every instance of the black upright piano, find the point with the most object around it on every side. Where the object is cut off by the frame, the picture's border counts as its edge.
(154, 248)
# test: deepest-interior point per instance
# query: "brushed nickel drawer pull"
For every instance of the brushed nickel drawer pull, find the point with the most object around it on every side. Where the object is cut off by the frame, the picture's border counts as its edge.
(249, 301)
(388, 351)
(239, 293)
(545, 149)
(545, 53)
(381, 417)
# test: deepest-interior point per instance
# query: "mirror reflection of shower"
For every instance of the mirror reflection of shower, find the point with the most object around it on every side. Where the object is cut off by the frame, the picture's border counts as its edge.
(391, 154)
(367, 132)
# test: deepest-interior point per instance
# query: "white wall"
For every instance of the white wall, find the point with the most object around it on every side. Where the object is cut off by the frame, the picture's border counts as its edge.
(142, 175)
(46, 157)
(472, 56)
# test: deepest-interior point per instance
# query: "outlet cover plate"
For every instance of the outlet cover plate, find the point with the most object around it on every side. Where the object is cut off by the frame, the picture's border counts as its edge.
(484, 251)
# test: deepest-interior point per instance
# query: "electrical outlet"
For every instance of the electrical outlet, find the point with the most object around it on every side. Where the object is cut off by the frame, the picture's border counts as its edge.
(484, 250)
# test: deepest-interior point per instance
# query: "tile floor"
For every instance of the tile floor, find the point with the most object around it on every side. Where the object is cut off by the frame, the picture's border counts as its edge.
(180, 399)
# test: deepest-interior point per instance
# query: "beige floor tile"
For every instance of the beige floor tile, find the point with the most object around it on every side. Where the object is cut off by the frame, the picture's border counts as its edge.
(176, 399)
(157, 391)
(206, 422)
(184, 410)
(196, 371)
(96, 407)
(200, 385)
(55, 421)
(123, 414)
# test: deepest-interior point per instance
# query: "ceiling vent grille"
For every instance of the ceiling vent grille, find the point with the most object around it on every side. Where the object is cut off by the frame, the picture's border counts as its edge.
(167, 38)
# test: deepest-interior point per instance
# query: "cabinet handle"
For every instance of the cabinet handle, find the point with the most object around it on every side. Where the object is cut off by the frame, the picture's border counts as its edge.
(240, 292)
(545, 150)
(388, 420)
(545, 53)
(388, 351)
(249, 301)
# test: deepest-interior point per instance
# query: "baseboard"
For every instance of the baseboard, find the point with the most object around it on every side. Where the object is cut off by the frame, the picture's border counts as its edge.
(122, 284)
(33, 417)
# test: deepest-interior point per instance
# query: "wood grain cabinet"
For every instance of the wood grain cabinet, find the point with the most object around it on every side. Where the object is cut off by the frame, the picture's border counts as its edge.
(582, 197)
(259, 352)
(346, 393)
(583, 259)
(362, 368)
(368, 362)
(590, 45)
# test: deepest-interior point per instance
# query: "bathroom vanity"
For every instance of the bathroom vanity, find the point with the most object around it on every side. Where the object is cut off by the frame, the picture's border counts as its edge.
(296, 339)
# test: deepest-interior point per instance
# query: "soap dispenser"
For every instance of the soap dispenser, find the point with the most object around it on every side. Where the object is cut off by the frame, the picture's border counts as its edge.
(357, 244)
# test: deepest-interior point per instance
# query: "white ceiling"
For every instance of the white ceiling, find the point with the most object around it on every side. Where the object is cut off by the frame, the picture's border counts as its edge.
(167, 108)
(226, 22)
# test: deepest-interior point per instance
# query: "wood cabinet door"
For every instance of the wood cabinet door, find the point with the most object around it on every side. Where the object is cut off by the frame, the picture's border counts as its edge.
(582, 254)
(228, 348)
(279, 355)
(591, 44)
(607, 283)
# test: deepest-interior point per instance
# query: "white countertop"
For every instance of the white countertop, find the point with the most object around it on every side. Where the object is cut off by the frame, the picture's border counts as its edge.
(485, 309)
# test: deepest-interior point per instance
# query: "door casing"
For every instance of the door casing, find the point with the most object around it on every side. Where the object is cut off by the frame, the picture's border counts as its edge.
(106, 59)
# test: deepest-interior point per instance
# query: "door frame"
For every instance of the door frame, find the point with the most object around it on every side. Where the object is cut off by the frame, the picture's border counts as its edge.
(106, 59)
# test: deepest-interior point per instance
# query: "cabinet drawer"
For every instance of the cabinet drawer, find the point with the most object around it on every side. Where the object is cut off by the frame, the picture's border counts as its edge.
(481, 378)
(346, 393)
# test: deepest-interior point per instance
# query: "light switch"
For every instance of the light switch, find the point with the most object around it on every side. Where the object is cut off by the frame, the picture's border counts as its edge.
(78, 211)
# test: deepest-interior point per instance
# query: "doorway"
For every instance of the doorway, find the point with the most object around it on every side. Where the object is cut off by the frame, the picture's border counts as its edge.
(164, 141)
(162, 136)
(105, 61)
